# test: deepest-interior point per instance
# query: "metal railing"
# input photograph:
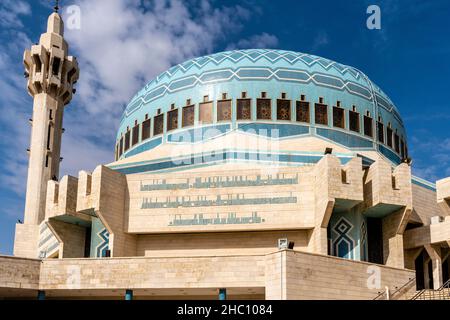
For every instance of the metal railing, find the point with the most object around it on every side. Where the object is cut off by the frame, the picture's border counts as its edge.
(394, 295)
(442, 293)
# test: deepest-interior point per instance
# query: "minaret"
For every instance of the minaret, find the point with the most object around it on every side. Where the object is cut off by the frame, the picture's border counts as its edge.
(51, 75)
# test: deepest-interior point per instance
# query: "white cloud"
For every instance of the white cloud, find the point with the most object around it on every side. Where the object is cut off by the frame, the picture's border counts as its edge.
(10, 10)
(320, 40)
(257, 41)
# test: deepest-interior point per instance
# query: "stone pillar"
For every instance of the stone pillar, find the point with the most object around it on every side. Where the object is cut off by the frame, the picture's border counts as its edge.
(222, 294)
(436, 261)
(129, 294)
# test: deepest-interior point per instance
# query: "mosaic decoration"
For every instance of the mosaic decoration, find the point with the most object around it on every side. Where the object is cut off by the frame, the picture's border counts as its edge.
(343, 244)
(48, 243)
(103, 246)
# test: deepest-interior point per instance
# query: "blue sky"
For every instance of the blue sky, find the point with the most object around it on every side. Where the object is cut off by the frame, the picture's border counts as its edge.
(122, 44)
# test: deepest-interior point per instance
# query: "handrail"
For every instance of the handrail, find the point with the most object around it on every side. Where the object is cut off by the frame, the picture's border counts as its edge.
(421, 294)
(398, 289)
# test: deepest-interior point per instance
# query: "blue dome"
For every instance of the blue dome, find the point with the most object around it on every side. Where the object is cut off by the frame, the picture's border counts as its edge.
(273, 72)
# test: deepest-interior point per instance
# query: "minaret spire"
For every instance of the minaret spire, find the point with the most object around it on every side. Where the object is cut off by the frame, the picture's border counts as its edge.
(56, 7)
(51, 74)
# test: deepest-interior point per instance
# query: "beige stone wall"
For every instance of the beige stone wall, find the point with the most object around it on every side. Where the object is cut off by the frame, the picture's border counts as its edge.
(297, 215)
(310, 276)
(164, 272)
(425, 205)
(72, 237)
(19, 273)
(198, 244)
(26, 240)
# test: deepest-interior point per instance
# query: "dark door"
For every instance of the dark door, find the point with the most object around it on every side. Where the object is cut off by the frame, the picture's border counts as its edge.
(375, 240)
(445, 273)
(420, 279)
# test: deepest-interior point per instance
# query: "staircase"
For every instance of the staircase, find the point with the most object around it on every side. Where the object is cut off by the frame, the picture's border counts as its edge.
(443, 293)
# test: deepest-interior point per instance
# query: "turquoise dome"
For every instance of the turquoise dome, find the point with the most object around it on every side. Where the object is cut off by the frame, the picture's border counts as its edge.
(274, 72)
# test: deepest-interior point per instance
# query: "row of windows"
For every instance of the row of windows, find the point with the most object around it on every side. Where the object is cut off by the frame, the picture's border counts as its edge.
(224, 112)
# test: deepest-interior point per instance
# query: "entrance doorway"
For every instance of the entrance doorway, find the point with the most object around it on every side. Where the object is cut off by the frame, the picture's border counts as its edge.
(375, 240)
(424, 271)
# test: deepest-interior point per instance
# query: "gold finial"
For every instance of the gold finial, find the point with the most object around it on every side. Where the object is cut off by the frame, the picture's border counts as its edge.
(56, 7)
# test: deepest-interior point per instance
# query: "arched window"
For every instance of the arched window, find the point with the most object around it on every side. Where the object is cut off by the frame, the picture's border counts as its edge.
(396, 143)
(338, 116)
(368, 125)
(321, 113)
(146, 128)
(389, 135)
(353, 117)
(172, 120)
(224, 109)
(127, 140)
(283, 108)
(380, 130)
(206, 110)
(243, 108)
(121, 147)
(158, 124)
(302, 109)
(188, 115)
(135, 135)
(263, 108)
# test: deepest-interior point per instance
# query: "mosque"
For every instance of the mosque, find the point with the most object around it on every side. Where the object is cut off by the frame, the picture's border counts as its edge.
(246, 174)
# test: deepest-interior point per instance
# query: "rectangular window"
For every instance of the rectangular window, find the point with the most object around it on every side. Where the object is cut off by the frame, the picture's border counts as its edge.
(397, 143)
(158, 124)
(127, 140)
(354, 121)
(135, 138)
(302, 111)
(224, 110)
(172, 120)
(368, 129)
(389, 137)
(321, 114)
(263, 109)
(243, 109)
(283, 109)
(338, 118)
(145, 129)
(380, 129)
(206, 112)
(121, 146)
(188, 116)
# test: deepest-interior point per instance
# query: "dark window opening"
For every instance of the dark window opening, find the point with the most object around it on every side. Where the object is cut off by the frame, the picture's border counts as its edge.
(354, 121)
(87, 243)
(321, 114)
(302, 109)
(158, 124)
(338, 117)
(127, 140)
(55, 66)
(145, 130)
(121, 146)
(263, 108)
(243, 109)
(368, 130)
(37, 63)
(283, 109)
(46, 160)
(402, 148)
(135, 138)
(49, 136)
(172, 120)
(224, 110)
(380, 129)
(206, 112)
(188, 116)
(389, 137)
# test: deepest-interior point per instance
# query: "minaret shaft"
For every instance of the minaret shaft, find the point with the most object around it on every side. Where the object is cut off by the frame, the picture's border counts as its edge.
(51, 75)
